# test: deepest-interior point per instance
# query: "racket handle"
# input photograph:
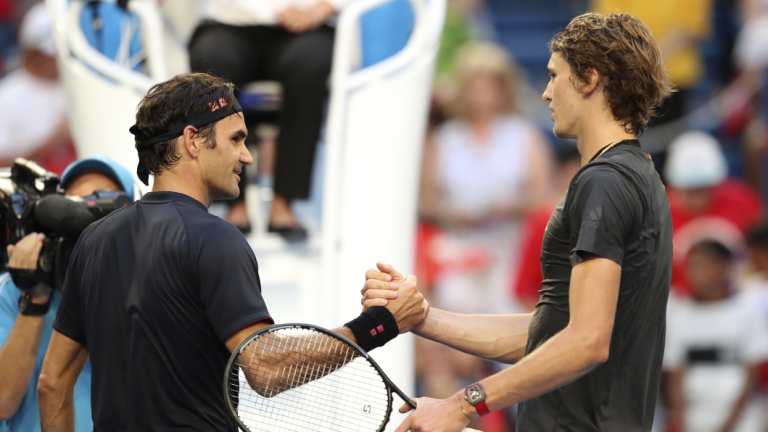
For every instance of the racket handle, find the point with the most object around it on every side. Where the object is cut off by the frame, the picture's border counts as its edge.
(412, 404)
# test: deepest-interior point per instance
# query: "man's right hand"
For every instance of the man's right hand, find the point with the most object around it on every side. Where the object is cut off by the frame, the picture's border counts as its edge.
(24, 255)
(387, 287)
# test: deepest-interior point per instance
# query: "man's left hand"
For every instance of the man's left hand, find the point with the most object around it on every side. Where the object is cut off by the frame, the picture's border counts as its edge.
(435, 415)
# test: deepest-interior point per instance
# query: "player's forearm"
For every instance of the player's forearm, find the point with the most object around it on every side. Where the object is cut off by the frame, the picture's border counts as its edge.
(496, 337)
(287, 362)
(562, 359)
(18, 357)
(346, 332)
(56, 409)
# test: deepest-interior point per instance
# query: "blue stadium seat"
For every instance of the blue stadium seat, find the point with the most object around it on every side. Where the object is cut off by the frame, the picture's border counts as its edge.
(114, 32)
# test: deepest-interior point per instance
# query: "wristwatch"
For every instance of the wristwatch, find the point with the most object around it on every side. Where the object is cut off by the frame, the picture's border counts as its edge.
(475, 396)
(26, 307)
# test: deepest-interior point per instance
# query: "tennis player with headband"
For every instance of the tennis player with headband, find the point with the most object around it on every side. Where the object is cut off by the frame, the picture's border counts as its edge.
(159, 293)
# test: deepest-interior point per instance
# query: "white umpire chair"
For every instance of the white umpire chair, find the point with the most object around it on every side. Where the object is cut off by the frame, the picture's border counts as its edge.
(102, 95)
(374, 135)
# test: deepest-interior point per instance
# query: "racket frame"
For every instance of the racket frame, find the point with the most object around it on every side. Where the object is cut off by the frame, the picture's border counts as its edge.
(272, 328)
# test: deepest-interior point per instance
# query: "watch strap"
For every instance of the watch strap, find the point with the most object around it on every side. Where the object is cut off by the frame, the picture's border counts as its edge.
(482, 408)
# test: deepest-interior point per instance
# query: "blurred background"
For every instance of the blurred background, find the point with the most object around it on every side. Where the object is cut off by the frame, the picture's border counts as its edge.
(479, 174)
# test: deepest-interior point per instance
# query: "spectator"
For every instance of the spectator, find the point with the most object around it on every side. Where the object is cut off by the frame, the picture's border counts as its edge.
(482, 174)
(25, 331)
(702, 199)
(33, 122)
(712, 366)
(286, 41)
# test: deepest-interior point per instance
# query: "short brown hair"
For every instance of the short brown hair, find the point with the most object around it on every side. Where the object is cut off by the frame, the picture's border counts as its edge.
(171, 102)
(621, 49)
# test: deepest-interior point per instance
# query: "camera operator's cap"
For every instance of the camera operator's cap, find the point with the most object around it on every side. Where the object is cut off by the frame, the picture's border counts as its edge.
(100, 164)
(36, 30)
(695, 160)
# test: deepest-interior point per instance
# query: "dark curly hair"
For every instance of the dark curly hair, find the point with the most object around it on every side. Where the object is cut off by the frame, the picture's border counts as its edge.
(621, 49)
(173, 101)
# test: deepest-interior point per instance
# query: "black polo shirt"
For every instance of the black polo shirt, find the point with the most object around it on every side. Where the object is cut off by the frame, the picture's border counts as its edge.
(616, 208)
(153, 291)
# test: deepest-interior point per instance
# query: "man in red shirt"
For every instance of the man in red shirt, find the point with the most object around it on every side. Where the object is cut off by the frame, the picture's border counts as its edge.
(702, 200)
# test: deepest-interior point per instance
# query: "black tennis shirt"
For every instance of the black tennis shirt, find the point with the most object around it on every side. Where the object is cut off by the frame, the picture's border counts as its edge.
(153, 291)
(616, 208)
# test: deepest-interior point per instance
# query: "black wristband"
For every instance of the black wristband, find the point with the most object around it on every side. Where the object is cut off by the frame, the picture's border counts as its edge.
(374, 328)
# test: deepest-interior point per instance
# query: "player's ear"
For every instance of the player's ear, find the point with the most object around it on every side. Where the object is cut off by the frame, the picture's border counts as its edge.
(591, 81)
(190, 143)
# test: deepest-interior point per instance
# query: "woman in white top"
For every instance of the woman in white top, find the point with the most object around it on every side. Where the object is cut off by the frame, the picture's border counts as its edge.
(482, 173)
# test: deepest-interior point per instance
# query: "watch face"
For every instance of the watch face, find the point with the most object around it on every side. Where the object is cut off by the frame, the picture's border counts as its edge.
(474, 394)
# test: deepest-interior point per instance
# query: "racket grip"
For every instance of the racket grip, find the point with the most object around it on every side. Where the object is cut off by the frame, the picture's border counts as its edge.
(412, 404)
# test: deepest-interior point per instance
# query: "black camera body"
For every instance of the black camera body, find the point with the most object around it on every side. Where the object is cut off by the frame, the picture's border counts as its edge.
(31, 201)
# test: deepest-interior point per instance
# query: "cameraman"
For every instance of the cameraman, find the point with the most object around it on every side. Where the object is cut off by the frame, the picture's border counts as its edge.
(26, 319)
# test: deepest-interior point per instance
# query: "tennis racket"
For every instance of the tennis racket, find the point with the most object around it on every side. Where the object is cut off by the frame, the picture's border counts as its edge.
(304, 378)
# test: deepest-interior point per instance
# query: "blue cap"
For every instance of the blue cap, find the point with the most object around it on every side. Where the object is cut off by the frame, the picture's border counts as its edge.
(100, 164)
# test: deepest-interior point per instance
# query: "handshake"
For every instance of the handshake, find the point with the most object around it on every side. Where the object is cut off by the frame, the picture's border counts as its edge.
(386, 287)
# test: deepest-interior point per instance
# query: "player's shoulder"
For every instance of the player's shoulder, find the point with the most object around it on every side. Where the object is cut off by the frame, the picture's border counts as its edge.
(606, 181)
(600, 173)
(104, 227)
(212, 230)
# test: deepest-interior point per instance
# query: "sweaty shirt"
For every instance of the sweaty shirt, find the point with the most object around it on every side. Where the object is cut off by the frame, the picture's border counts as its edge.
(616, 208)
(153, 291)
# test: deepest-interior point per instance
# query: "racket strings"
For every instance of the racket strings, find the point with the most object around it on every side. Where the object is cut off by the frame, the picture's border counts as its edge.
(279, 362)
(314, 420)
(299, 380)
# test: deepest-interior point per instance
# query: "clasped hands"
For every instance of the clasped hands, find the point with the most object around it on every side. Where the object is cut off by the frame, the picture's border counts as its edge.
(385, 286)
